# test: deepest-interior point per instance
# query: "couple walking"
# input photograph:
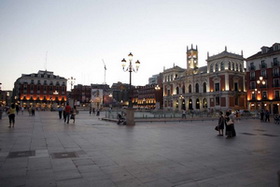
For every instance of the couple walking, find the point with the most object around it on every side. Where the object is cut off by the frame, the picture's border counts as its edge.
(226, 121)
(69, 113)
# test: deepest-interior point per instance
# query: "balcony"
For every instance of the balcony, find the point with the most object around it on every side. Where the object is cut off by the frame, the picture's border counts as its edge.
(275, 63)
(252, 68)
(263, 66)
(252, 78)
(275, 74)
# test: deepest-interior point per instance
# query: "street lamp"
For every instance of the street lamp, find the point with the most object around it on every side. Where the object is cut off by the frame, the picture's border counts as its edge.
(261, 83)
(130, 68)
(72, 81)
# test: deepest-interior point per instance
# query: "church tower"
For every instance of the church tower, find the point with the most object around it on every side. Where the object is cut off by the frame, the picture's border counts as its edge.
(192, 58)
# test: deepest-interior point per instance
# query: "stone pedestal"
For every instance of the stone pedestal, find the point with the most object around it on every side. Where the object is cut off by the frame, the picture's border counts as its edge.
(130, 117)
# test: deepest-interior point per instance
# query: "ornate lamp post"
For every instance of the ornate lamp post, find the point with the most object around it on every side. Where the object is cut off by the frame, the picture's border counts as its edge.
(260, 82)
(72, 81)
(130, 68)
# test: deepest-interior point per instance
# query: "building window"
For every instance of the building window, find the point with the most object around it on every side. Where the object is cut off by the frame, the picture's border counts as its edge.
(217, 87)
(263, 64)
(263, 73)
(217, 100)
(183, 89)
(252, 75)
(252, 85)
(252, 66)
(229, 65)
(233, 67)
(216, 67)
(236, 86)
(276, 95)
(204, 87)
(240, 68)
(276, 83)
(177, 90)
(275, 62)
(190, 88)
(197, 88)
(211, 68)
(222, 66)
(275, 72)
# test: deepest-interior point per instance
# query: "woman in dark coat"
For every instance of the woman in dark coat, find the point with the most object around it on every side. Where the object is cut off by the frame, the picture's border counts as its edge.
(230, 130)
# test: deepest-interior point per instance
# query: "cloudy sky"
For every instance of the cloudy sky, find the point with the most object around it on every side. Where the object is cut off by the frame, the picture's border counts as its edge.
(73, 37)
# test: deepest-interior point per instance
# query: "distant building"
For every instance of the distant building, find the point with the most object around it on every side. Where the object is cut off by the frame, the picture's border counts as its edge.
(263, 79)
(85, 95)
(42, 89)
(218, 86)
(148, 96)
(5, 97)
(154, 79)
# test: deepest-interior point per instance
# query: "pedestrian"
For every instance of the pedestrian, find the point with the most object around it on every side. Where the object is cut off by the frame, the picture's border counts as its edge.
(67, 113)
(60, 111)
(184, 114)
(237, 115)
(12, 115)
(1, 111)
(90, 109)
(33, 110)
(229, 121)
(221, 124)
(22, 110)
(17, 109)
(262, 115)
(267, 114)
(73, 114)
(98, 112)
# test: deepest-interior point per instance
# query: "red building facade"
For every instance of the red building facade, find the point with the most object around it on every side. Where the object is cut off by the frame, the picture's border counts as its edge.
(263, 79)
(42, 89)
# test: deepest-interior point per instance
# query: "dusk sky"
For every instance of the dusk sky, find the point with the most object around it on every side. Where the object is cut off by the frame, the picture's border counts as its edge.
(71, 37)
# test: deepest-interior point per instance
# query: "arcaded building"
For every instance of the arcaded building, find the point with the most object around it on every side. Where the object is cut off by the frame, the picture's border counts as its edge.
(42, 89)
(220, 85)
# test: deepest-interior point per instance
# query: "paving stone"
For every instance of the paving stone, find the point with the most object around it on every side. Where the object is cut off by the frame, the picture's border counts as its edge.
(148, 154)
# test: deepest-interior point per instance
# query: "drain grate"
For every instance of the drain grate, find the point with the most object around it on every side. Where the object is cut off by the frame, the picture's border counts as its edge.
(19, 154)
(270, 135)
(64, 155)
(246, 133)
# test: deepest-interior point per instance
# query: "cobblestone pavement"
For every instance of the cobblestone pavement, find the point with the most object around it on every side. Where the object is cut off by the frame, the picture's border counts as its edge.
(44, 151)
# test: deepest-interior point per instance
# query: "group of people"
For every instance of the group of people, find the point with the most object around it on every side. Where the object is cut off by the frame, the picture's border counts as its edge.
(265, 114)
(226, 122)
(68, 113)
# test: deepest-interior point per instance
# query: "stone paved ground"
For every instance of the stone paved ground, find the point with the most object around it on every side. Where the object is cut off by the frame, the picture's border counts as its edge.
(43, 151)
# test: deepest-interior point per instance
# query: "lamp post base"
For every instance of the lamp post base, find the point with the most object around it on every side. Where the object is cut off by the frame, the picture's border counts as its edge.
(130, 117)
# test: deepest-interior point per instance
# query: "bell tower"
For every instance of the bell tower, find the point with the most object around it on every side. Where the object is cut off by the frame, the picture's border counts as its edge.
(192, 58)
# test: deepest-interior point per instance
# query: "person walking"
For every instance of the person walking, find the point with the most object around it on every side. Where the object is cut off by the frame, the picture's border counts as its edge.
(229, 121)
(221, 124)
(262, 115)
(1, 111)
(183, 114)
(73, 114)
(60, 111)
(267, 114)
(67, 111)
(12, 115)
